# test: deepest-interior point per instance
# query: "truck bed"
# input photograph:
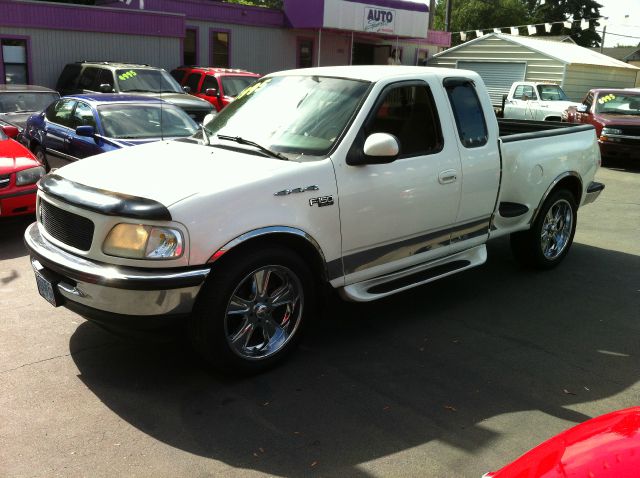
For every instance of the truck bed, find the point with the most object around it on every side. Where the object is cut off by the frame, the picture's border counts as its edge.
(516, 130)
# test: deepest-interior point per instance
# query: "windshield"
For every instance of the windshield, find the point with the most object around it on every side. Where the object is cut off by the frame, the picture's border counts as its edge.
(153, 81)
(552, 93)
(141, 121)
(14, 102)
(618, 104)
(302, 115)
(233, 85)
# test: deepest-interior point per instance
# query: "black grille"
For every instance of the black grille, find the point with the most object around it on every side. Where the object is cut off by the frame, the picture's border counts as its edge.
(5, 179)
(67, 227)
(627, 130)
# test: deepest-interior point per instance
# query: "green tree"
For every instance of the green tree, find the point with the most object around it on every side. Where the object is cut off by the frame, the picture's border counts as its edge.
(561, 10)
(488, 14)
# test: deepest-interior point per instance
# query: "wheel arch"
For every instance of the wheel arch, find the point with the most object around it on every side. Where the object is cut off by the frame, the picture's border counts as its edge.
(295, 239)
(569, 180)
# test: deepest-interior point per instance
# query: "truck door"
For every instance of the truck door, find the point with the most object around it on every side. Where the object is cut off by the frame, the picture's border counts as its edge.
(477, 141)
(524, 103)
(401, 212)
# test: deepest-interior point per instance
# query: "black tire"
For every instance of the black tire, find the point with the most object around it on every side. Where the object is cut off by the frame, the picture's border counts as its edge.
(216, 320)
(38, 152)
(548, 241)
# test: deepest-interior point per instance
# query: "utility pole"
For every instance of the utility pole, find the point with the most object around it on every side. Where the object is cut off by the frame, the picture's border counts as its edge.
(604, 32)
(447, 17)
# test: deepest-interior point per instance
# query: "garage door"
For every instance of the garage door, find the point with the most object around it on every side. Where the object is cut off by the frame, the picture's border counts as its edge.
(498, 76)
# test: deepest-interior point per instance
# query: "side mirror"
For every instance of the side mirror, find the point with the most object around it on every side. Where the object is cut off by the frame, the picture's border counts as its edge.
(105, 88)
(211, 92)
(381, 147)
(11, 131)
(209, 118)
(581, 109)
(187, 89)
(88, 131)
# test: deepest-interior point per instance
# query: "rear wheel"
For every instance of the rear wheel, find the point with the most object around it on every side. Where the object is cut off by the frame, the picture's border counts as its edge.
(548, 241)
(38, 152)
(250, 312)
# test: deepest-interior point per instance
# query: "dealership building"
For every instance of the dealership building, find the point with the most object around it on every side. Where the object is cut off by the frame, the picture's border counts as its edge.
(38, 38)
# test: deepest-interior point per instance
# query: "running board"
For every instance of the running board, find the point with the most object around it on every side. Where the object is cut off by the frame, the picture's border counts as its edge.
(393, 283)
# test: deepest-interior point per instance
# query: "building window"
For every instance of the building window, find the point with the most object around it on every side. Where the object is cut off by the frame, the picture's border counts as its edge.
(14, 61)
(220, 49)
(190, 47)
(305, 52)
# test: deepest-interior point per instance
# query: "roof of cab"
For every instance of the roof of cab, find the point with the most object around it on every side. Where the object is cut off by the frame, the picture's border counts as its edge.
(109, 98)
(376, 73)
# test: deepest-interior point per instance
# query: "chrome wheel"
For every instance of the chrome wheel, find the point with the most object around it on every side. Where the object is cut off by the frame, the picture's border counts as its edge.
(264, 312)
(556, 229)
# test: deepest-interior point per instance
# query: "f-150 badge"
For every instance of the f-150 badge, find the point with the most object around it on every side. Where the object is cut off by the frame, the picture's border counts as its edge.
(321, 201)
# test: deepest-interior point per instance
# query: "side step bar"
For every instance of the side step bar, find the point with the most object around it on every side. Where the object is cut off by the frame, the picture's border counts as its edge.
(393, 283)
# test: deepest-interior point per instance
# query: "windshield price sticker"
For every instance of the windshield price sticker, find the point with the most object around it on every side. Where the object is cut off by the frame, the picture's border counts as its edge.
(127, 75)
(251, 89)
(606, 99)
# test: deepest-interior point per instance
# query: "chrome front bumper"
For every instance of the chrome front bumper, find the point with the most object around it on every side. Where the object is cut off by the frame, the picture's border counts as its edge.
(110, 289)
(593, 191)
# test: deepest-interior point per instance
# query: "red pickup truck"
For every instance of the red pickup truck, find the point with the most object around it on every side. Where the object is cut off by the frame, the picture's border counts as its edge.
(616, 117)
(219, 86)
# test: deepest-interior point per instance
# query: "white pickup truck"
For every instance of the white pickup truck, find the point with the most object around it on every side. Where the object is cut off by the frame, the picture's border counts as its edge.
(370, 179)
(536, 101)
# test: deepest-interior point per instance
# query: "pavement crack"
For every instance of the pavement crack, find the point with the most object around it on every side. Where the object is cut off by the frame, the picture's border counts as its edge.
(70, 354)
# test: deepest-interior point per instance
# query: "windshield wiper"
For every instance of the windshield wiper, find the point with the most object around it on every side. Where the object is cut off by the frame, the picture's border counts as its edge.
(205, 134)
(240, 140)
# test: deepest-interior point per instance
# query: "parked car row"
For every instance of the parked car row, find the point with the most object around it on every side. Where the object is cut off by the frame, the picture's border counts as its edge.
(105, 106)
(615, 113)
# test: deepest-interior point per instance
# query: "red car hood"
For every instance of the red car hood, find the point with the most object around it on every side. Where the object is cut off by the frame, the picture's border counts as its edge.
(15, 157)
(604, 447)
(618, 119)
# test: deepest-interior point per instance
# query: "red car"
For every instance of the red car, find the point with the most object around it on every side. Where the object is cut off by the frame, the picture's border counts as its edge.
(219, 86)
(607, 446)
(616, 117)
(19, 173)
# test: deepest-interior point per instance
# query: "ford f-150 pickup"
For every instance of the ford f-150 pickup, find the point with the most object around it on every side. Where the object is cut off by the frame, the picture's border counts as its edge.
(371, 179)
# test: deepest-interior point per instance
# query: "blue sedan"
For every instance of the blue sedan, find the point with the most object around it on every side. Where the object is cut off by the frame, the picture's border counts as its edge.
(75, 127)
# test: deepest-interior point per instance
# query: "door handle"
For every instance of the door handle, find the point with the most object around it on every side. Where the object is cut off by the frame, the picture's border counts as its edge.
(448, 176)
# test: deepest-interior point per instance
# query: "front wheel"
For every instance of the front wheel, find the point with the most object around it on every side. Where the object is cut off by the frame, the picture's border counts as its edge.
(548, 241)
(250, 312)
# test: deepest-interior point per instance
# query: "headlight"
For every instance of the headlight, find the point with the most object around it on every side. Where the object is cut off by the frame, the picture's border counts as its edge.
(137, 241)
(29, 176)
(607, 131)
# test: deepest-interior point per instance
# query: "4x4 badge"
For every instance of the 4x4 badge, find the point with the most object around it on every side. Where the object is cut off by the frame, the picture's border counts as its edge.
(286, 192)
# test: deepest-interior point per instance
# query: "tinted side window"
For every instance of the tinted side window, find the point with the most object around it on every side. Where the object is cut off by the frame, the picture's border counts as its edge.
(83, 115)
(192, 82)
(105, 77)
(468, 113)
(61, 113)
(409, 113)
(178, 75)
(88, 78)
(68, 77)
(210, 82)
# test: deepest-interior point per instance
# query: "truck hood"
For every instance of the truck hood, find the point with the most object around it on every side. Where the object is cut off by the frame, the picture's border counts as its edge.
(621, 120)
(561, 105)
(169, 171)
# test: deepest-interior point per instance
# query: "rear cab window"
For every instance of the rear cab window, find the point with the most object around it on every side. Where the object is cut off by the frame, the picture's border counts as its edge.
(467, 111)
(68, 77)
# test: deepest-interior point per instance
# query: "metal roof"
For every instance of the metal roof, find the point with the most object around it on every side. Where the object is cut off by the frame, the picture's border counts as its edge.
(564, 52)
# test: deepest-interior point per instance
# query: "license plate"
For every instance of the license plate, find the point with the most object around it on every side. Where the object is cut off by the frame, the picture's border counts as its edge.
(45, 288)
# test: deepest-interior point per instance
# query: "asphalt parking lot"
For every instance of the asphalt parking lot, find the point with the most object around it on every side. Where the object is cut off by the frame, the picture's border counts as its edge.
(453, 379)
